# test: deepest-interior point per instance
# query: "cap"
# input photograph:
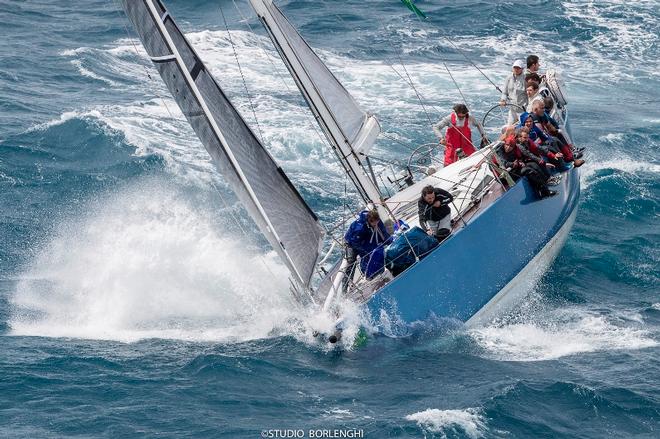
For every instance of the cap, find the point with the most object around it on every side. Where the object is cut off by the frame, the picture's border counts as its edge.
(519, 63)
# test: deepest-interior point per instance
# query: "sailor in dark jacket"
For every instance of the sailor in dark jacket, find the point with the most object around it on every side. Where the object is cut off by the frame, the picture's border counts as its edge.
(518, 165)
(434, 211)
(364, 238)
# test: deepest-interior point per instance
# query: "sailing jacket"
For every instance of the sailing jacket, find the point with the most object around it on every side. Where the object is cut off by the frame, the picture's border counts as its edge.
(531, 152)
(535, 132)
(512, 159)
(513, 90)
(362, 238)
(428, 212)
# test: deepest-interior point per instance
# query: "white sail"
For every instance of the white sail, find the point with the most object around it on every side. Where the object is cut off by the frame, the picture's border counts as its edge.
(349, 129)
(269, 197)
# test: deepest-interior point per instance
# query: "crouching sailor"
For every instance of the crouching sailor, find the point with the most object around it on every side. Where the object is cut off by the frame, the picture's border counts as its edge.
(365, 238)
(434, 212)
(519, 163)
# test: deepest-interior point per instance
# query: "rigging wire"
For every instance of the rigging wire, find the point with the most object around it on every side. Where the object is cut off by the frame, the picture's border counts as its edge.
(437, 110)
(428, 116)
(278, 73)
(275, 68)
(462, 53)
(233, 216)
(240, 69)
(456, 84)
(469, 60)
(408, 81)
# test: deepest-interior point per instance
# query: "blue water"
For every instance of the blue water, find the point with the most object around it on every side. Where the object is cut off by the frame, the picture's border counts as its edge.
(137, 299)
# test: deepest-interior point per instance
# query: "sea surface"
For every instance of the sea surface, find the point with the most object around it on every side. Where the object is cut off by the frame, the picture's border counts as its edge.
(137, 298)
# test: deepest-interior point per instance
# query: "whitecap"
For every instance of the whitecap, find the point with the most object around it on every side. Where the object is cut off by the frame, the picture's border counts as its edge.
(89, 74)
(589, 172)
(469, 421)
(562, 333)
(63, 118)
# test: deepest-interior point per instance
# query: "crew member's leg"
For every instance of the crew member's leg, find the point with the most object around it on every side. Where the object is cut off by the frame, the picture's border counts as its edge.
(433, 226)
(468, 148)
(450, 154)
(444, 228)
(351, 258)
(536, 178)
(513, 118)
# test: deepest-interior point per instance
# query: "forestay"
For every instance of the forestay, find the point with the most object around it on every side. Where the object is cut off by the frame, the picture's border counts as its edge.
(350, 130)
(275, 205)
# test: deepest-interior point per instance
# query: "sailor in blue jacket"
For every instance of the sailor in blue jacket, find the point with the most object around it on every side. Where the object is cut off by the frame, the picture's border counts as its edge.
(365, 238)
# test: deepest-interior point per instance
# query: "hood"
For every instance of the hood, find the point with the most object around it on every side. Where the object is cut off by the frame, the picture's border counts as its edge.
(524, 117)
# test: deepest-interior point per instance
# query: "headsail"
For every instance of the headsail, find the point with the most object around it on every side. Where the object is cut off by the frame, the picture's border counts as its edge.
(350, 130)
(271, 200)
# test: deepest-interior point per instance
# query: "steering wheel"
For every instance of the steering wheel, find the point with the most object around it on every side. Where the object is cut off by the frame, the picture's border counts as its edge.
(493, 116)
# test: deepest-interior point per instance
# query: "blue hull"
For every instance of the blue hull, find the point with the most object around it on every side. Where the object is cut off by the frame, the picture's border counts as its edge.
(481, 263)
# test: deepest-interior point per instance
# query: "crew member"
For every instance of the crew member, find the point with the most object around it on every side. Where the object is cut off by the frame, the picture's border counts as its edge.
(434, 212)
(513, 92)
(366, 234)
(515, 162)
(458, 139)
(533, 65)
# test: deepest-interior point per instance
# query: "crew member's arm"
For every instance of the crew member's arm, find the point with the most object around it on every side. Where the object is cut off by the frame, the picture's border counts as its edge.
(440, 125)
(529, 156)
(505, 90)
(355, 239)
(506, 164)
(552, 120)
(421, 211)
(445, 197)
(479, 127)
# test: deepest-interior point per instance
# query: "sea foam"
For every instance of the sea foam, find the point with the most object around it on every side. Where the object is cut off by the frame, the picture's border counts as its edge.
(562, 333)
(469, 421)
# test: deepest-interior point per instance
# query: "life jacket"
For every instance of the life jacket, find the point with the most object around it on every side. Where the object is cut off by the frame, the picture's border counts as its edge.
(458, 137)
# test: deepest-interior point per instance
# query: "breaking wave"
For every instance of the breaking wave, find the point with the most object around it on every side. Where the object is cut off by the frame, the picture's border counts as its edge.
(469, 422)
(562, 333)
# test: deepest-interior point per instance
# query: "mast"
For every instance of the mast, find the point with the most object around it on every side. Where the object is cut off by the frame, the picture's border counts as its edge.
(350, 131)
(261, 185)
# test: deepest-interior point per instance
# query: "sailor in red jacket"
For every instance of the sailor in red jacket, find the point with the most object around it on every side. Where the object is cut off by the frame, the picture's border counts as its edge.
(458, 139)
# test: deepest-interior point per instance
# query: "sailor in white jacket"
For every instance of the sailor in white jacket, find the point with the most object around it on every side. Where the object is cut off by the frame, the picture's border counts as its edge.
(513, 92)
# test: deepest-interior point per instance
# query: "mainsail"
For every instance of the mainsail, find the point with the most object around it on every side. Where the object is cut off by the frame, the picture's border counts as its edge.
(260, 184)
(350, 131)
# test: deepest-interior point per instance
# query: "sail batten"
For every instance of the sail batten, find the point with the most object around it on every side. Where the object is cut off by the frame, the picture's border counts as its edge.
(260, 184)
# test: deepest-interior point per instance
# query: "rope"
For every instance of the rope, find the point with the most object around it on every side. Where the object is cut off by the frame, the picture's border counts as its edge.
(456, 84)
(240, 70)
(469, 60)
(406, 81)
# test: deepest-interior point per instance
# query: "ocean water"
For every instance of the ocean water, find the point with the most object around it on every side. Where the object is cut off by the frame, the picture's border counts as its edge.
(138, 300)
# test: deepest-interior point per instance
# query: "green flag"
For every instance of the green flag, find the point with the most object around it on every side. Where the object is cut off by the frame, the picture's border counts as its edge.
(414, 8)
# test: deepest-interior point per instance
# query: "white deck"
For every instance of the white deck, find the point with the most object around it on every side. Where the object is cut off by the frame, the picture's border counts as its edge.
(463, 179)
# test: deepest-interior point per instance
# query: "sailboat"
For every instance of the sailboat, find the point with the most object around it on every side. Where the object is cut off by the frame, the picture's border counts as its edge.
(503, 237)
